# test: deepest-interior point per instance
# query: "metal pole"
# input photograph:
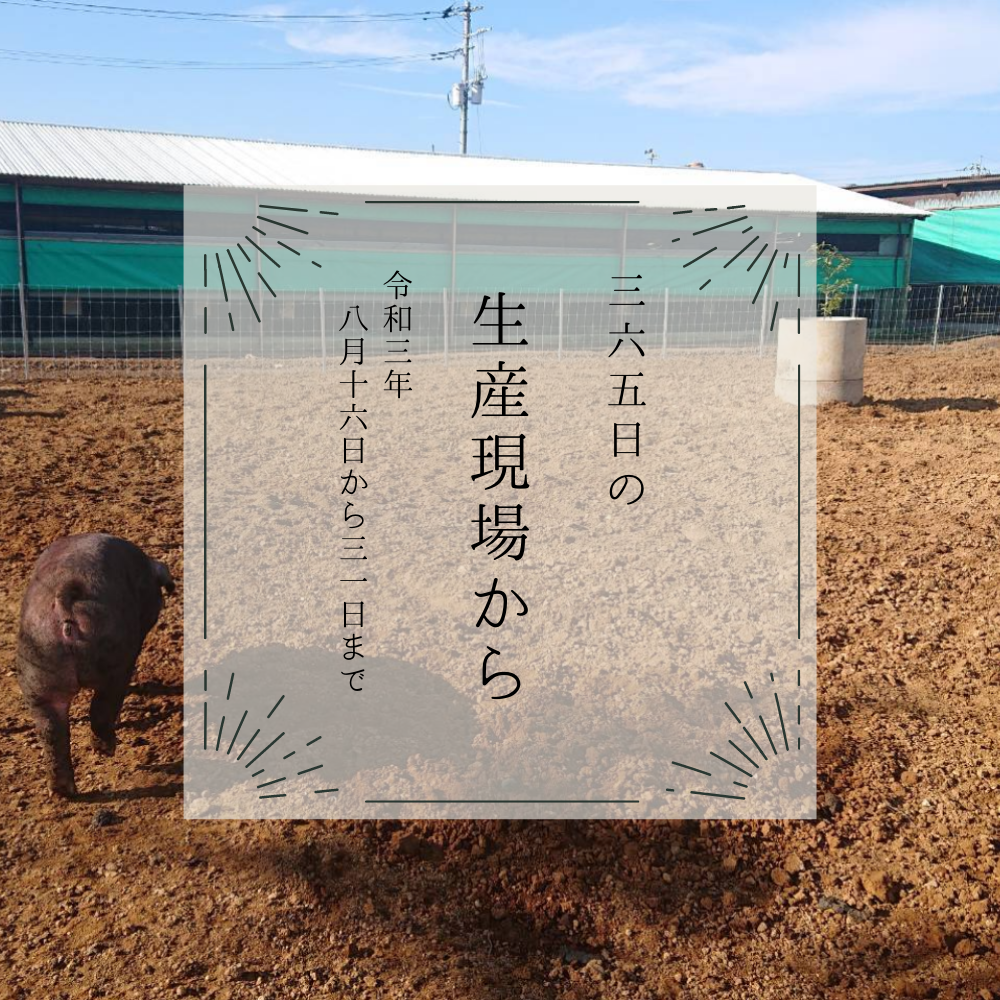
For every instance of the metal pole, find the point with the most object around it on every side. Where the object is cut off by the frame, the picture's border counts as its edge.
(322, 327)
(763, 319)
(666, 313)
(906, 246)
(446, 324)
(180, 319)
(260, 295)
(22, 275)
(768, 294)
(854, 302)
(559, 350)
(466, 41)
(937, 314)
(450, 327)
(624, 248)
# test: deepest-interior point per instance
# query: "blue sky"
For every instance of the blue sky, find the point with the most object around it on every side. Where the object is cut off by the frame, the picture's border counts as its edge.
(847, 93)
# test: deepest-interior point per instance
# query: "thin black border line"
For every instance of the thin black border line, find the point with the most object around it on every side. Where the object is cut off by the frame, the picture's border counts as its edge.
(396, 201)
(498, 201)
(204, 492)
(445, 802)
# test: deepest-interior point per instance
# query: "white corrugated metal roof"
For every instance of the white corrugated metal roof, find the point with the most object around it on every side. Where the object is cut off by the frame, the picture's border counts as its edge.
(72, 152)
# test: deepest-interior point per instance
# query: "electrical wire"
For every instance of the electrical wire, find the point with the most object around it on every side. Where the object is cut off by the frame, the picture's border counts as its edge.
(117, 62)
(80, 7)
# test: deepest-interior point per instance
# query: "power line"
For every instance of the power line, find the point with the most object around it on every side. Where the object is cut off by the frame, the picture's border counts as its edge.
(120, 62)
(79, 7)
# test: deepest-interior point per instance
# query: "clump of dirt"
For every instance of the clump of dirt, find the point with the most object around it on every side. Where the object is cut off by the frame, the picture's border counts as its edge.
(893, 891)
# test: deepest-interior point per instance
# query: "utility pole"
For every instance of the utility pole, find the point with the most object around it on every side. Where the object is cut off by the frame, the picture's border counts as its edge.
(466, 45)
(469, 91)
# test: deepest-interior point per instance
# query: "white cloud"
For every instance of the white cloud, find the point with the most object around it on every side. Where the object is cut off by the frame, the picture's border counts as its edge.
(901, 57)
(898, 58)
(380, 40)
(592, 60)
(424, 95)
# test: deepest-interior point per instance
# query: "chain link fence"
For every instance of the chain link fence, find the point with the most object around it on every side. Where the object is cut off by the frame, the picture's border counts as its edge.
(83, 329)
(310, 325)
(926, 315)
(139, 332)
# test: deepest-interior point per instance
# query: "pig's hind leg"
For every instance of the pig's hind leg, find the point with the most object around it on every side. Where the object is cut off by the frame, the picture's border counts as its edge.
(104, 710)
(51, 717)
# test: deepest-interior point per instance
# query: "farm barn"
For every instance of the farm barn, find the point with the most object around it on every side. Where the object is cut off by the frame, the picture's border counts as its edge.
(956, 248)
(959, 240)
(91, 224)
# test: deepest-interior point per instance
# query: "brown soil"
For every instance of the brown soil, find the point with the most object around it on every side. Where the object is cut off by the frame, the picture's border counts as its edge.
(892, 892)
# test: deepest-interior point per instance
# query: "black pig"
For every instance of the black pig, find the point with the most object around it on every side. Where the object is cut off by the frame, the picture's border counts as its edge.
(86, 611)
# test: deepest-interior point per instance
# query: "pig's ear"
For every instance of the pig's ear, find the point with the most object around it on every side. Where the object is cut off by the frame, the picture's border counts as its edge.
(163, 577)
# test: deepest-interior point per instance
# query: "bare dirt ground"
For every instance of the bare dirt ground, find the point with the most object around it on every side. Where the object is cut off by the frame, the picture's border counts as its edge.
(664, 607)
(893, 891)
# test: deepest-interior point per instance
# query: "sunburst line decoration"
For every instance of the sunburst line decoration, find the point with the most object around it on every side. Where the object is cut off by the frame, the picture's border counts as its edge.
(218, 747)
(739, 253)
(257, 245)
(779, 744)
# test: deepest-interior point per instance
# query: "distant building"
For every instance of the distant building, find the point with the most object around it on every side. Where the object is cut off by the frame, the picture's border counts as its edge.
(92, 220)
(959, 242)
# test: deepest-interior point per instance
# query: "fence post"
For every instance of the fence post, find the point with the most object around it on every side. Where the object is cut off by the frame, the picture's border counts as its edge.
(763, 320)
(937, 314)
(445, 324)
(180, 320)
(260, 292)
(24, 325)
(559, 348)
(666, 312)
(854, 302)
(322, 328)
(22, 275)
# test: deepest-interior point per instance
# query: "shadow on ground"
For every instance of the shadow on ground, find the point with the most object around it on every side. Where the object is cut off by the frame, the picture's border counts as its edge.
(968, 404)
